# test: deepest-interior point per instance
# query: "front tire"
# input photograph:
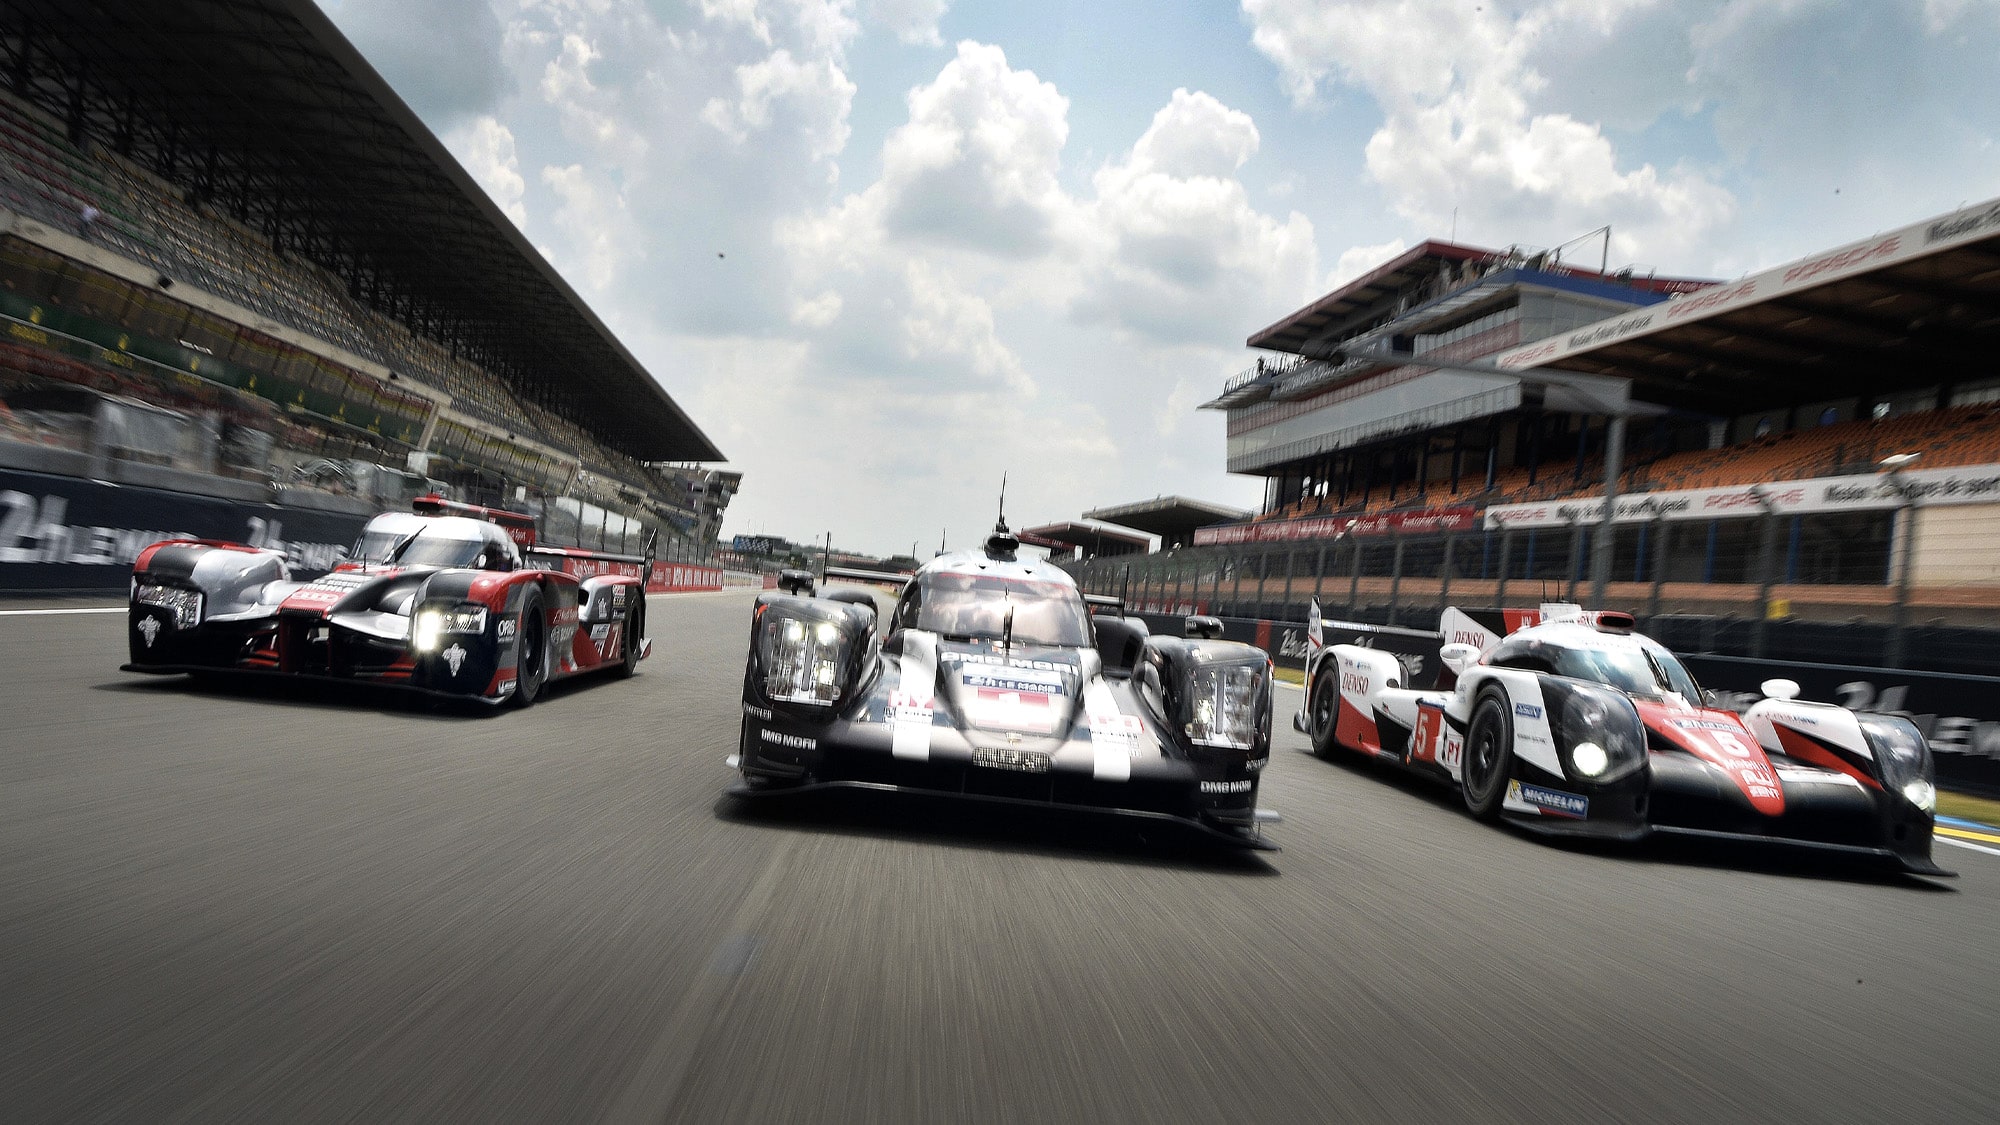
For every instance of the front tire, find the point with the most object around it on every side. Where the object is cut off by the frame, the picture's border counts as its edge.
(1324, 712)
(634, 635)
(1489, 755)
(531, 652)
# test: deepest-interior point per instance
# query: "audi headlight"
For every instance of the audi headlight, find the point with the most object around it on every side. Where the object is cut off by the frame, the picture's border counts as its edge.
(184, 604)
(805, 659)
(1597, 729)
(1904, 759)
(1226, 703)
(428, 629)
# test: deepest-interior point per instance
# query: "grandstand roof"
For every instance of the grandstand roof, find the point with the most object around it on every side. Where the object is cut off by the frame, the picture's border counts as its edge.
(1172, 518)
(1919, 306)
(262, 110)
(1413, 276)
(1089, 538)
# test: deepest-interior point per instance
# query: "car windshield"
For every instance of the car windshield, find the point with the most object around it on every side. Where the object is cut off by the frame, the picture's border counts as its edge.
(380, 546)
(1648, 670)
(976, 607)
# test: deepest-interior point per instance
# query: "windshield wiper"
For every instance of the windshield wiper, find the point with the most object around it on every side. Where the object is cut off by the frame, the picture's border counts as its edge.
(403, 544)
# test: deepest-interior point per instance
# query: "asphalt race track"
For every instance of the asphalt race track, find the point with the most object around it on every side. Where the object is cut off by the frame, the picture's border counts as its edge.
(218, 904)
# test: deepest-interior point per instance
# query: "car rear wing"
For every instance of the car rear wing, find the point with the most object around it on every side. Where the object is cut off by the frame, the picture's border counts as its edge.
(879, 577)
(1111, 602)
(520, 526)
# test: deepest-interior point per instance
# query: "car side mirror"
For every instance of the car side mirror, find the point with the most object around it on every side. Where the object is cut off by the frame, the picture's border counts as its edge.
(582, 598)
(1780, 690)
(1207, 628)
(1458, 656)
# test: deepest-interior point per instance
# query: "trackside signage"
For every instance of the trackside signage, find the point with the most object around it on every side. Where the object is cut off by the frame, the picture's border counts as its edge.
(1285, 531)
(1978, 221)
(1975, 484)
(71, 534)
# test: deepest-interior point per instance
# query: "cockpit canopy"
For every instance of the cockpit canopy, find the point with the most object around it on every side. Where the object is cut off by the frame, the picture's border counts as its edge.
(955, 604)
(1636, 665)
(407, 539)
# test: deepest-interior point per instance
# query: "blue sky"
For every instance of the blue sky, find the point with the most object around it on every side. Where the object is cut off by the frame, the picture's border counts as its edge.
(961, 239)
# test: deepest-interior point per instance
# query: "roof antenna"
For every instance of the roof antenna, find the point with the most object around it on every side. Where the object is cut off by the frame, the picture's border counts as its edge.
(1001, 545)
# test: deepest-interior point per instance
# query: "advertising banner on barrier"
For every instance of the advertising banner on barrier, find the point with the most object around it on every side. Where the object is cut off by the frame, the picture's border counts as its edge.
(1283, 531)
(72, 535)
(1970, 484)
(680, 578)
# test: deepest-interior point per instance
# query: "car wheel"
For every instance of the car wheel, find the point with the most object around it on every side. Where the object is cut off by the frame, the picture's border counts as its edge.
(634, 634)
(1489, 755)
(531, 651)
(1324, 712)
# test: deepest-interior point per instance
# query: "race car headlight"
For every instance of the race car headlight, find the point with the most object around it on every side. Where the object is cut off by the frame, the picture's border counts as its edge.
(1597, 729)
(431, 624)
(805, 659)
(184, 604)
(1226, 704)
(1904, 758)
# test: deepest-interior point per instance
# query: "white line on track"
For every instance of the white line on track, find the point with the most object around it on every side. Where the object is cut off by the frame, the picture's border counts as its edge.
(58, 612)
(1965, 844)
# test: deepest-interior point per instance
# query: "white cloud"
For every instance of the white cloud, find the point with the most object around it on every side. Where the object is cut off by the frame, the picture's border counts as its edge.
(1357, 260)
(1181, 256)
(914, 21)
(1460, 133)
(486, 148)
(817, 88)
(602, 242)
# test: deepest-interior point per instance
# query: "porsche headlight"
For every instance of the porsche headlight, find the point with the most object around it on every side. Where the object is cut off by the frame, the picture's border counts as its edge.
(804, 660)
(1903, 757)
(1597, 729)
(1223, 705)
(182, 603)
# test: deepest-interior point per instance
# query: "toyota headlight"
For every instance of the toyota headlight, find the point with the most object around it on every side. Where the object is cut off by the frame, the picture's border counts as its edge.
(183, 604)
(1226, 703)
(1904, 759)
(1598, 730)
(805, 658)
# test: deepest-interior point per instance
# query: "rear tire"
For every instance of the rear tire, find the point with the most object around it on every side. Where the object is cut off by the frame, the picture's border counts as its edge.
(1323, 711)
(633, 635)
(531, 652)
(1489, 755)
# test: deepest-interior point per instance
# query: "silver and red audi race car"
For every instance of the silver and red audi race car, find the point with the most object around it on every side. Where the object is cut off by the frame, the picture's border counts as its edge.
(1575, 724)
(992, 680)
(449, 599)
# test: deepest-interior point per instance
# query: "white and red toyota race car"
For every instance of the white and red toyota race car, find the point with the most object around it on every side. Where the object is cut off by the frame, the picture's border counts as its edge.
(1573, 723)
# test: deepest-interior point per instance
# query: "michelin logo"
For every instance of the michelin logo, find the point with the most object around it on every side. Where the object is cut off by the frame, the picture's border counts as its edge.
(1551, 800)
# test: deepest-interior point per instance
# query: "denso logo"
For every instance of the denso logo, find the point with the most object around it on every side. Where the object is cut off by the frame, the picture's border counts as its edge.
(1527, 710)
(1354, 682)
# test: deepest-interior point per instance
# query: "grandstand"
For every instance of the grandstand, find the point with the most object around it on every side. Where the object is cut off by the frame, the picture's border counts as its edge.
(1818, 442)
(218, 212)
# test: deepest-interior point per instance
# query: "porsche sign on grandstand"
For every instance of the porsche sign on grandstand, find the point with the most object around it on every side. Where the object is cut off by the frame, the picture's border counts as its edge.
(1287, 531)
(1973, 484)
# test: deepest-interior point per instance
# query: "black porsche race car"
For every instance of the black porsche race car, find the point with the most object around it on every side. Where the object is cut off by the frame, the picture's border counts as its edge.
(992, 680)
